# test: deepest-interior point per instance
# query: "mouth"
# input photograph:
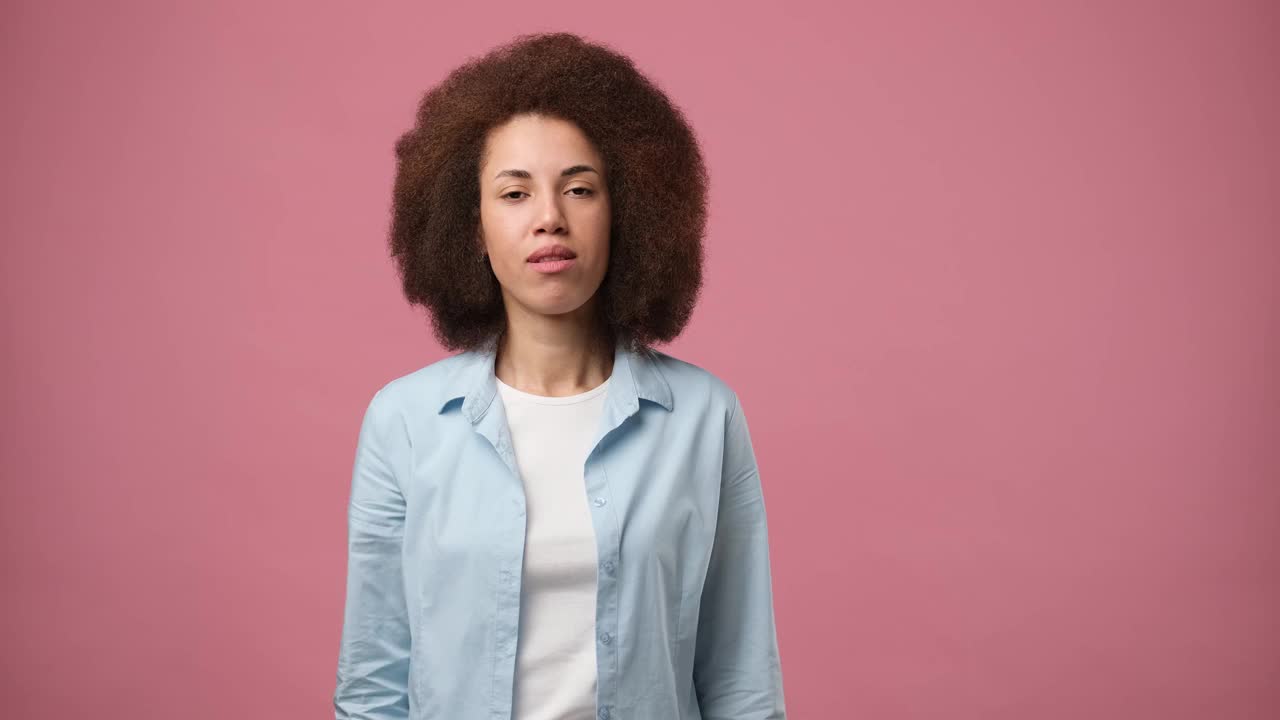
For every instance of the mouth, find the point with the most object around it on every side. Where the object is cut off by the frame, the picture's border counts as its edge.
(551, 253)
(552, 265)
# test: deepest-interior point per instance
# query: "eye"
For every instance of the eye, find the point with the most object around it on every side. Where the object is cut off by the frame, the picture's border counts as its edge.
(514, 192)
(588, 192)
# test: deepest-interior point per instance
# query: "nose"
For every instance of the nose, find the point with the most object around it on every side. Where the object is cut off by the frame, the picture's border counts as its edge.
(550, 216)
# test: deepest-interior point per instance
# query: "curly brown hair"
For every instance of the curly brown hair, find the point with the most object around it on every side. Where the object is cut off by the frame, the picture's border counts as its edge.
(656, 179)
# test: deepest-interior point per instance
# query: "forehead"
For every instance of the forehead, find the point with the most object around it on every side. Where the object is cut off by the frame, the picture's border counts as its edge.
(539, 144)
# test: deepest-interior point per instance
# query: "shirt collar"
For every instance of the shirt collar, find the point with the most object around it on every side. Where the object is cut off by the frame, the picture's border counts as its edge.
(635, 375)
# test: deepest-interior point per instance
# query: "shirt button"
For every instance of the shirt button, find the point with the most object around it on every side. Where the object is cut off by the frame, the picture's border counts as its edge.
(599, 502)
(606, 638)
(608, 566)
(604, 713)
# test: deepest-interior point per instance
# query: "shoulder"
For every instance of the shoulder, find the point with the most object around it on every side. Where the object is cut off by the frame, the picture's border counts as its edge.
(706, 402)
(421, 389)
(692, 385)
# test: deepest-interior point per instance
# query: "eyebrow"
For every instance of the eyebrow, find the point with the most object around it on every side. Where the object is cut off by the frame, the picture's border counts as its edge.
(574, 170)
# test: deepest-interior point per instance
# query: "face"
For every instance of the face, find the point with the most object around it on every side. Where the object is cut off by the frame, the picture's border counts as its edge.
(542, 184)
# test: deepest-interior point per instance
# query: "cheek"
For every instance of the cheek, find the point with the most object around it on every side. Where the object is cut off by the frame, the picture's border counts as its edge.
(599, 233)
(501, 238)
(602, 217)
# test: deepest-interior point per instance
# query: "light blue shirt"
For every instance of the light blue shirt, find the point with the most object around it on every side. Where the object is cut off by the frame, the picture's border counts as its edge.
(436, 529)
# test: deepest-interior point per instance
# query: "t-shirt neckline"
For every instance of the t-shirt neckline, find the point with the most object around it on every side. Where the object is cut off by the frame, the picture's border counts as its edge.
(554, 399)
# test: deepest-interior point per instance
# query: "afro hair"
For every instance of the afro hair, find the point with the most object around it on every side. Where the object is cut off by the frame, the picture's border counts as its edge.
(657, 183)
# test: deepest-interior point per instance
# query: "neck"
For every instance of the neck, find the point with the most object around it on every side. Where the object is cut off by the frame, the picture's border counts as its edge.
(554, 355)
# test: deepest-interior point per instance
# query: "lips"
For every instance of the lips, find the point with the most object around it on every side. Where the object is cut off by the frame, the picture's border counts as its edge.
(551, 252)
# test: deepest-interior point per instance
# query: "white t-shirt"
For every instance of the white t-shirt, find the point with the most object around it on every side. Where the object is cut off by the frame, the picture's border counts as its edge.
(556, 649)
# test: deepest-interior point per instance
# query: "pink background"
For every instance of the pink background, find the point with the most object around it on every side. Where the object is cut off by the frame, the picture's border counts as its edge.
(997, 283)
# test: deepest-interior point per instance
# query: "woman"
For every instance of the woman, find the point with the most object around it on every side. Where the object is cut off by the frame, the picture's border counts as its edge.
(558, 522)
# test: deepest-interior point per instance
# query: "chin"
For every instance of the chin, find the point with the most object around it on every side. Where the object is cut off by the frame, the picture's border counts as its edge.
(557, 305)
(557, 308)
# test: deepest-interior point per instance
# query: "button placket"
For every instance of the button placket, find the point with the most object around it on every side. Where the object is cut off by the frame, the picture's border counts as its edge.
(606, 527)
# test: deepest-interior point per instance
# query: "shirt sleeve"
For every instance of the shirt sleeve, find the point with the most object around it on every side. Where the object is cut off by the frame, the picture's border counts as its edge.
(737, 672)
(373, 658)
